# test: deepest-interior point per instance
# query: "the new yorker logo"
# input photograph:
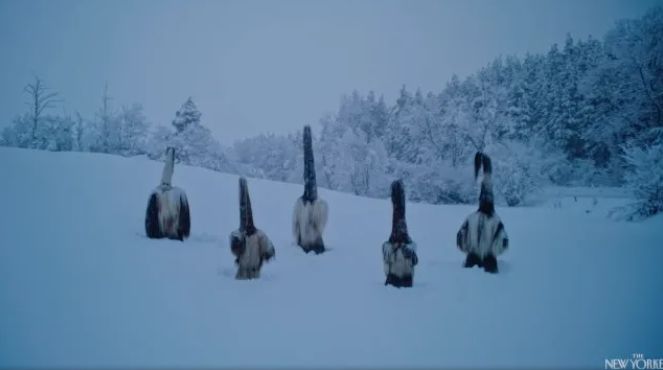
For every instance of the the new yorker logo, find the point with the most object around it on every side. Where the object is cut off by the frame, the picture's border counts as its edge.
(637, 361)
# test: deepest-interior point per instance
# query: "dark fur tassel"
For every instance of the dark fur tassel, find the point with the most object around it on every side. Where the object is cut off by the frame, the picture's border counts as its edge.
(237, 245)
(310, 185)
(245, 213)
(399, 225)
(482, 160)
(477, 164)
(486, 197)
(487, 165)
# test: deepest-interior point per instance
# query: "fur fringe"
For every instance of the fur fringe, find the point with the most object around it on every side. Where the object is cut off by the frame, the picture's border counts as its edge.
(482, 235)
(399, 261)
(308, 224)
(251, 251)
(168, 214)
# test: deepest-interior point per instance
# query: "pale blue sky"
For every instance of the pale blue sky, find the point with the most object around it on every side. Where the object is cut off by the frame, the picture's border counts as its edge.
(269, 66)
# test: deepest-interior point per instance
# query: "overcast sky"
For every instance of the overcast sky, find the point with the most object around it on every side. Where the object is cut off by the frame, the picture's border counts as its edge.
(269, 66)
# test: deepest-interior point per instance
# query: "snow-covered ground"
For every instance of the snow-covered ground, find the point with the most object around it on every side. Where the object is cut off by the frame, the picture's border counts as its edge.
(81, 286)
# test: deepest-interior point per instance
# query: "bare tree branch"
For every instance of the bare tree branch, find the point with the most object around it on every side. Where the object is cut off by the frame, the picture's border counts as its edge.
(40, 100)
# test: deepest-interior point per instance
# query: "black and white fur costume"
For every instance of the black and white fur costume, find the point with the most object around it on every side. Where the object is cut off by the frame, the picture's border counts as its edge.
(250, 245)
(167, 214)
(310, 214)
(482, 236)
(399, 252)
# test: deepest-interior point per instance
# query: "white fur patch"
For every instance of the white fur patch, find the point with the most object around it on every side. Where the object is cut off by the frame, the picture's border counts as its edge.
(309, 220)
(169, 199)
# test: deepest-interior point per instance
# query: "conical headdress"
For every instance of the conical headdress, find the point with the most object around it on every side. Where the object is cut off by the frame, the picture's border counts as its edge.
(399, 226)
(245, 213)
(167, 175)
(310, 185)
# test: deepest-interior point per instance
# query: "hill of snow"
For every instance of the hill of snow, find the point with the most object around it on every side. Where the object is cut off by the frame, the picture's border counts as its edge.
(81, 286)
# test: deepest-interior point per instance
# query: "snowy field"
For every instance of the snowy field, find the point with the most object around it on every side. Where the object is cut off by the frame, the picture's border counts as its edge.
(81, 286)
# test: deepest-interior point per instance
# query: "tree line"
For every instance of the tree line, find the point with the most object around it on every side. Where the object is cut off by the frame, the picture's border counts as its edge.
(589, 113)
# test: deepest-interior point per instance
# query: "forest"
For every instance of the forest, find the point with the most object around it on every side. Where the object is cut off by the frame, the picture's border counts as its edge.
(586, 113)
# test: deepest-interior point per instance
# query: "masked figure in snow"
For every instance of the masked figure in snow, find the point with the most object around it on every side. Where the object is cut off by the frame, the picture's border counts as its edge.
(167, 213)
(250, 245)
(399, 252)
(310, 215)
(482, 236)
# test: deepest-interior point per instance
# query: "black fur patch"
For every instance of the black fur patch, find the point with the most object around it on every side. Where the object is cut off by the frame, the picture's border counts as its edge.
(237, 245)
(490, 264)
(152, 228)
(486, 202)
(473, 260)
(500, 227)
(399, 281)
(462, 234)
(414, 258)
(184, 221)
(267, 256)
(318, 247)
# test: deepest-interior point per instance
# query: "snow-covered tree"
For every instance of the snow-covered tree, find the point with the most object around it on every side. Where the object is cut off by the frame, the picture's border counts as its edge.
(646, 178)
(158, 140)
(104, 131)
(58, 133)
(636, 46)
(194, 144)
(134, 128)
(269, 156)
(41, 99)
(34, 128)
(519, 171)
(453, 116)
(352, 151)
(187, 116)
(19, 133)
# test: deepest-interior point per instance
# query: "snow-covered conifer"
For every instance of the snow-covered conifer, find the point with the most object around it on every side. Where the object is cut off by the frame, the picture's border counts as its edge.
(187, 116)
(645, 179)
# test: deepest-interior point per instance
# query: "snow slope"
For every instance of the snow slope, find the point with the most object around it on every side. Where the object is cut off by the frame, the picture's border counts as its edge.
(81, 286)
